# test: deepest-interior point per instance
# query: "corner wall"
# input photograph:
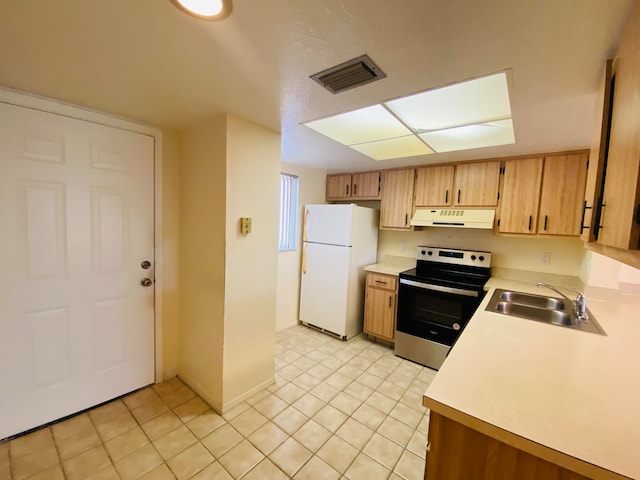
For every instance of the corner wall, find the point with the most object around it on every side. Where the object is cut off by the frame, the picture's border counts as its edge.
(252, 190)
(170, 228)
(311, 189)
(202, 257)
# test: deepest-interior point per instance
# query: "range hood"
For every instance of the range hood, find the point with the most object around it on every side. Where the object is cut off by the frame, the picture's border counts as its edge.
(447, 217)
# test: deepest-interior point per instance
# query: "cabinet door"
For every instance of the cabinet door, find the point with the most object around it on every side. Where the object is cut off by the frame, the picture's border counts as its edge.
(434, 186)
(365, 185)
(562, 194)
(338, 187)
(380, 313)
(520, 195)
(476, 184)
(621, 205)
(397, 199)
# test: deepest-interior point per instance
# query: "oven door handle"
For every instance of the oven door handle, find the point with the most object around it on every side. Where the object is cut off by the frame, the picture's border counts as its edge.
(438, 288)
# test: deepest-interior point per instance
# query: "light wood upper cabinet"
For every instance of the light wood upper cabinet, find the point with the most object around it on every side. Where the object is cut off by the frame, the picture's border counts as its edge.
(621, 201)
(363, 186)
(397, 199)
(520, 195)
(543, 195)
(434, 186)
(562, 194)
(338, 187)
(476, 184)
(380, 305)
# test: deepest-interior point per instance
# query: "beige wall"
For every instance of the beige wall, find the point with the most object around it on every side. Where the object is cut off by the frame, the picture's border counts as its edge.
(229, 169)
(507, 252)
(311, 189)
(253, 167)
(170, 228)
(202, 254)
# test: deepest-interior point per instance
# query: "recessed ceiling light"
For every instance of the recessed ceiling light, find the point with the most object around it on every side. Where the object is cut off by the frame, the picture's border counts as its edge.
(205, 9)
(474, 113)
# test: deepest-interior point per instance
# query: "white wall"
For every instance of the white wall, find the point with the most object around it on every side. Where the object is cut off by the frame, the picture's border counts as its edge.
(566, 255)
(311, 189)
(604, 272)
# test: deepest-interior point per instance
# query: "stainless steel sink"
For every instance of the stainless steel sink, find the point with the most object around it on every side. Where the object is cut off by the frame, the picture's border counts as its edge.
(553, 311)
(537, 301)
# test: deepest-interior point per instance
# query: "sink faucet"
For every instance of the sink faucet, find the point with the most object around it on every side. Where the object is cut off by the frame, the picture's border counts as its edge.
(579, 304)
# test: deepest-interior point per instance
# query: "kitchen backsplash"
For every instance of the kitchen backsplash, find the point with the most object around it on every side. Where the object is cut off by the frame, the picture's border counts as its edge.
(565, 256)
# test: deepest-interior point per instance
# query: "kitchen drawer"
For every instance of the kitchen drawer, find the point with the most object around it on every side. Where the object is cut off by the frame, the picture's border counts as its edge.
(379, 280)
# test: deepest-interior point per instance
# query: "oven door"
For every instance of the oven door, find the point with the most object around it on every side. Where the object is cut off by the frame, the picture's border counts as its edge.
(434, 312)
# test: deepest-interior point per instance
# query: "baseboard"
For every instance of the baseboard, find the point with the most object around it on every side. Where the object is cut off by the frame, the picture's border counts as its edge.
(280, 328)
(216, 405)
(219, 407)
(169, 374)
(241, 398)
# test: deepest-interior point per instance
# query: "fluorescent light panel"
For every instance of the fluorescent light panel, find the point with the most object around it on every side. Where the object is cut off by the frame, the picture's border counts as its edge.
(359, 126)
(471, 114)
(471, 136)
(399, 147)
(475, 101)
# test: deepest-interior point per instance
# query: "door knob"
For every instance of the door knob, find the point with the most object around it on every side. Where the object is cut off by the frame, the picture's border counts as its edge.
(146, 282)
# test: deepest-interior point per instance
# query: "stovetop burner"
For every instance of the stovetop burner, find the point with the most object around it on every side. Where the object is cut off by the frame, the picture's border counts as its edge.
(451, 268)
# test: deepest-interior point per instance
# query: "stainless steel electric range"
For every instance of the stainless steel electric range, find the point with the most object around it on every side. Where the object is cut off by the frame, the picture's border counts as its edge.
(436, 300)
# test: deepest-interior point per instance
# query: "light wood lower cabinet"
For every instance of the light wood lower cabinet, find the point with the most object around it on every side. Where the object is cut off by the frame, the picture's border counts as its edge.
(381, 297)
(457, 452)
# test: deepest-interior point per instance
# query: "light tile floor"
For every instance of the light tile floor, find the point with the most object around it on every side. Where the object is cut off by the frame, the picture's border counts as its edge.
(338, 410)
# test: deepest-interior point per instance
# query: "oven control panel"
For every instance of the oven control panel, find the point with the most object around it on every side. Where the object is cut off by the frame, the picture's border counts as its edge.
(452, 256)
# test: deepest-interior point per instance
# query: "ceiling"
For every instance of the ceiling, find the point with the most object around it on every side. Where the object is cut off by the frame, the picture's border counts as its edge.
(146, 60)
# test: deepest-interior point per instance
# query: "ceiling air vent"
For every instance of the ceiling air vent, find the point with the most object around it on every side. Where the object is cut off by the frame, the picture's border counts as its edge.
(351, 74)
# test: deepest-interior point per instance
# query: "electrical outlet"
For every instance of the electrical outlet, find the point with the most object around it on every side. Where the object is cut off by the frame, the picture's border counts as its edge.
(402, 245)
(545, 258)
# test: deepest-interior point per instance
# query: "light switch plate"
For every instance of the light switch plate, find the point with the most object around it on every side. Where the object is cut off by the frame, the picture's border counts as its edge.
(245, 225)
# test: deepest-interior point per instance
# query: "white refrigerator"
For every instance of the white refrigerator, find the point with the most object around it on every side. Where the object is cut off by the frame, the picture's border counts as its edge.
(338, 241)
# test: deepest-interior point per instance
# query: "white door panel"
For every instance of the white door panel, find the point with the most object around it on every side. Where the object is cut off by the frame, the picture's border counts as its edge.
(76, 209)
(330, 224)
(324, 286)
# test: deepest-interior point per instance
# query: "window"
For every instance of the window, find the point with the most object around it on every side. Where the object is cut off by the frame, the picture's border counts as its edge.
(288, 212)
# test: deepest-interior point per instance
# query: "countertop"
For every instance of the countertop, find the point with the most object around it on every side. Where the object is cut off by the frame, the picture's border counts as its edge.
(392, 265)
(555, 392)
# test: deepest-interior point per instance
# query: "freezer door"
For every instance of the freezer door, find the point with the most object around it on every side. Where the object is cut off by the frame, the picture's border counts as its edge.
(330, 224)
(324, 286)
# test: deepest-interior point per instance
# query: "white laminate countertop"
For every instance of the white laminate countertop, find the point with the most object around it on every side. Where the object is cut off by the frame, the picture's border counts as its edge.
(392, 265)
(576, 393)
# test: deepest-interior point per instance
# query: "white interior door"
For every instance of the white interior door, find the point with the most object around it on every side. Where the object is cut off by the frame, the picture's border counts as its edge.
(76, 221)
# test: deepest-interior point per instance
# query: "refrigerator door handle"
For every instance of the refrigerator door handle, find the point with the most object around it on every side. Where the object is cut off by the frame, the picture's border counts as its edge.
(304, 258)
(304, 226)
